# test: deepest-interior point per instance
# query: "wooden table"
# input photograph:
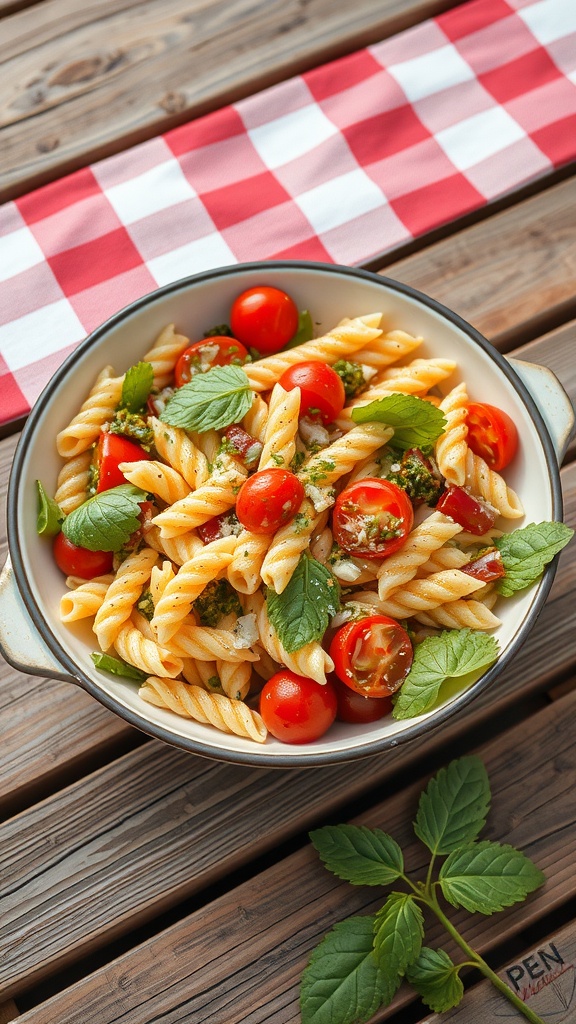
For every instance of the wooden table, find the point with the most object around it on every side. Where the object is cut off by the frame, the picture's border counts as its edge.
(140, 883)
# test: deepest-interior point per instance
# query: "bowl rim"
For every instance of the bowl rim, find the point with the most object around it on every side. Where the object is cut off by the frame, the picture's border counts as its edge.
(259, 758)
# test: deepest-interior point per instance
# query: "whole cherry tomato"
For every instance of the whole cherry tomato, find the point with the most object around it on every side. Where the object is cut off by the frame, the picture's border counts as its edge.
(322, 389)
(111, 450)
(355, 708)
(372, 518)
(372, 656)
(269, 500)
(492, 434)
(76, 561)
(296, 709)
(264, 318)
(203, 355)
(473, 515)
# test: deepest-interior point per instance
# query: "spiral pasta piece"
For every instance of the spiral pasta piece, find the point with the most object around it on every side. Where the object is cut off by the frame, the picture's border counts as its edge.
(400, 567)
(311, 660)
(179, 451)
(342, 455)
(420, 595)
(178, 549)
(460, 615)
(98, 409)
(150, 475)
(451, 446)
(84, 600)
(122, 595)
(255, 420)
(281, 427)
(288, 544)
(164, 354)
(145, 654)
(188, 584)
(414, 379)
(217, 495)
(72, 483)
(207, 643)
(234, 678)
(387, 349)
(231, 716)
(444, 558)
(244, 570)
(491, 487)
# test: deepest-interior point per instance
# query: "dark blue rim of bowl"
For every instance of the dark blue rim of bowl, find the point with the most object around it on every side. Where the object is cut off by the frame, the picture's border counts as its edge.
(260, 757)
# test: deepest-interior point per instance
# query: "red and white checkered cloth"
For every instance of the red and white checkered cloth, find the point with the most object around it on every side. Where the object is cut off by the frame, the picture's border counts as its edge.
(341, 163)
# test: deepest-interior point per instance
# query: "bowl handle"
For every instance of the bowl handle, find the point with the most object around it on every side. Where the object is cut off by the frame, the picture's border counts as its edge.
(553, 403)
(20, 642)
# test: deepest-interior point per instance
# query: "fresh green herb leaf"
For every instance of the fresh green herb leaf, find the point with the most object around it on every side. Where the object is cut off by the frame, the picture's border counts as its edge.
(342, 983)
(453, 808)
(526, 553)
(50, 515)
(117, 667)
(487, 876)
(360, 855)
(136, 386)
(305, 331)
(435, 977)
(416, 423)
(452, 654)
(106, 521)
(301, 613)
(210, 401)
(398, 934)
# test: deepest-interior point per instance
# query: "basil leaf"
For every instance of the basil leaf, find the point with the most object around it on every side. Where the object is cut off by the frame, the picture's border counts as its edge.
(416, 423)
(487, 877)
(435, 977)
(210, 401)
(136, 386)
(398, 934)
(50, 515)
(453, 807)
(455, 653)
(526, 553)
(305, 331)
(117, 667)
(360, 855)
(342, 981)
(301, 613)
(106, 521)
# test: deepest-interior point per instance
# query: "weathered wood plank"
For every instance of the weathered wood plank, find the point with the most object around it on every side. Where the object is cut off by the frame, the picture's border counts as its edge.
(79, 83)
(268, 926)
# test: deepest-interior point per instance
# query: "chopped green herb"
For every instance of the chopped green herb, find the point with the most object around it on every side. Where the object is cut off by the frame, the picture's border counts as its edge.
(216, 601)
(351, 375)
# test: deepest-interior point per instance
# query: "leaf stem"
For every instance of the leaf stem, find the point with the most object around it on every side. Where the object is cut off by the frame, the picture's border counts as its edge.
(481, 964)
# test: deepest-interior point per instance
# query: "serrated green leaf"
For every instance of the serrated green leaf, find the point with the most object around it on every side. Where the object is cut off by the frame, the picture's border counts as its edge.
(487, 877)
(360, 855)
(398, 934)
(50, 515)
(452, 654)
(211, 400)
(416, 423)
(305, 331)
(453, 807)
(106, 521)
(301, 613)
(342, 983)
(136, 386)
(116, 667)
(435, 977)
(527, 552)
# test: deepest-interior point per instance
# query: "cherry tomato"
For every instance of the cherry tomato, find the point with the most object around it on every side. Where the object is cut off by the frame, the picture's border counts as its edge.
(219, 526)
(269, 500)
(296, 709)
(468, 512)
(76, 561)
(111, 450)
(243, 446)
(322, 389)
(203, 355)
(372, 518)
(372, 656)
(355, 708)
(264, 318)
(492, 434)
(487, 567)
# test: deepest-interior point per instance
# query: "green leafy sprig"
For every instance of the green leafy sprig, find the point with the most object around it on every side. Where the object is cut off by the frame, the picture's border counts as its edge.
(301, 613)
(416, 423)
(360, 964)
(211, 400)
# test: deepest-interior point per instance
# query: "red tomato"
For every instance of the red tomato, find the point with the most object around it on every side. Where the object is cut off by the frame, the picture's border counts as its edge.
(296, 709)
(264, 318)
(246, 448)
(269, 500)
(372, 656)
(471, 514)
(487, 567)
(492, 434)
(111, 450)
(372, 518)
(203, 355)
(322, 389)
(218, 526)
(357, 709)
(76, 561)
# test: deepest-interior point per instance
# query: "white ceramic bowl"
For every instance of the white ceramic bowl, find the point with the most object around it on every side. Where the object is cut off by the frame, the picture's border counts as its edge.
(33, 638)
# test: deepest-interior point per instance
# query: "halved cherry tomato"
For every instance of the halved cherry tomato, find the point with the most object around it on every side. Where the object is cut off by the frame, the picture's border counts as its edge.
(487, 568)
(76, 561)
(372, 656)
(492, 434)
(264, 318)
(468, 512)
(269, 500)
(203, 355)
(322, 389)
(111, 450)
(355, 708)
(243, 446)
(372, 518)
(296, 709)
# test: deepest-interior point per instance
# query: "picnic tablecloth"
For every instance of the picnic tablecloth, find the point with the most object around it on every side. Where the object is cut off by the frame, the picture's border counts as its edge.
(339, 164)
